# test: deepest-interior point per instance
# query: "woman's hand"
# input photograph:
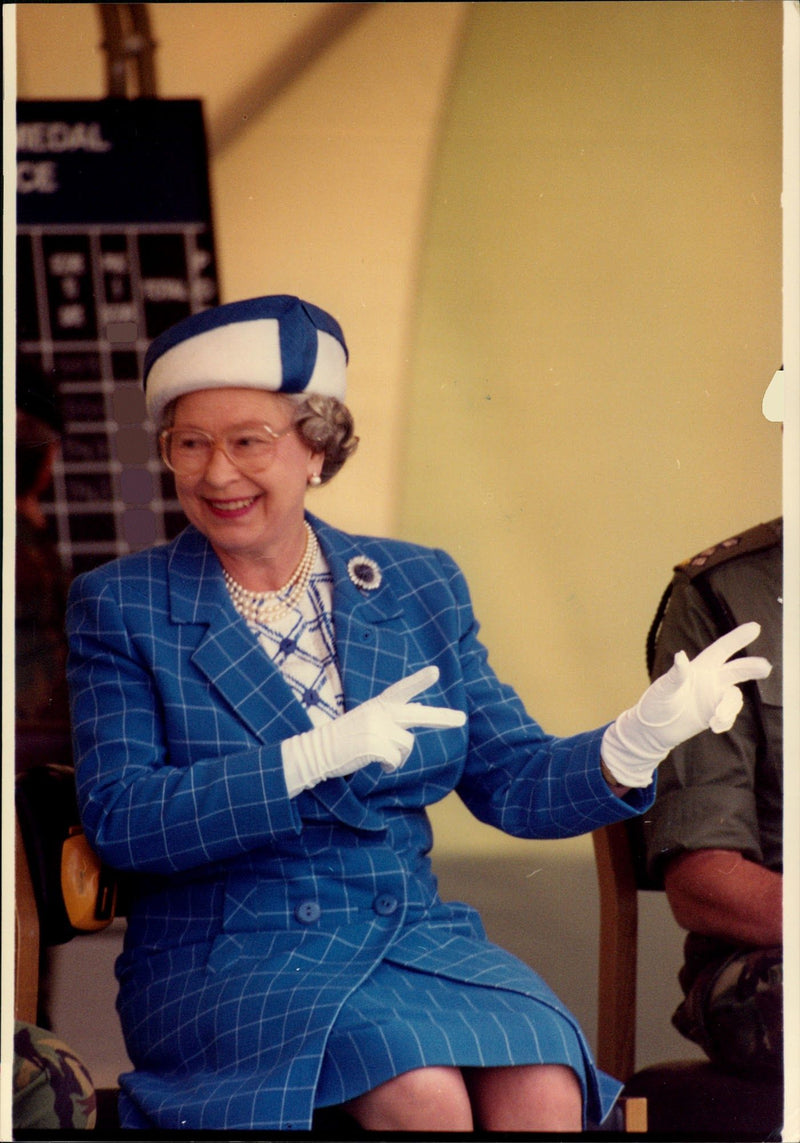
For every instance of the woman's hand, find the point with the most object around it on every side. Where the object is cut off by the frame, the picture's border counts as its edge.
(376, 731)
(694, 695)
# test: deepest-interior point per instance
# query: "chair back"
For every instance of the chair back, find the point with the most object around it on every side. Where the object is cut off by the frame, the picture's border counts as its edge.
(616, 1016)
(26, 936)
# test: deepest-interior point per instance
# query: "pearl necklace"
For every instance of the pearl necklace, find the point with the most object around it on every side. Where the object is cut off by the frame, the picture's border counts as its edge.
(266, 606)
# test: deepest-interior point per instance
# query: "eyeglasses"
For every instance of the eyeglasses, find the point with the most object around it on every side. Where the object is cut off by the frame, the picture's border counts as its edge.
(189, 451)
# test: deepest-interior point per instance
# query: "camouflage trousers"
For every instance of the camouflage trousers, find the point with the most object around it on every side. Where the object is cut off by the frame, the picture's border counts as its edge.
(733, 1008)
(52, 1088)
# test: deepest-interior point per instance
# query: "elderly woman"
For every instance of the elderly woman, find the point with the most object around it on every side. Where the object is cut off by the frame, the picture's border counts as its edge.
(247, 748)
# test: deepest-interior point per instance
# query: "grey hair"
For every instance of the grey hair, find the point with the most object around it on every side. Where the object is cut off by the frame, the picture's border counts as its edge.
(325, 424)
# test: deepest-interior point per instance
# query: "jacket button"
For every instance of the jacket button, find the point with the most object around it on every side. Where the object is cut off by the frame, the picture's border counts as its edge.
(385, 904)
(307, 912)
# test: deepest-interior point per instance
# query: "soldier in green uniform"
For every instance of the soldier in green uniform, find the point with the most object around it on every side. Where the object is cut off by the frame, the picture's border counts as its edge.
(714, 836)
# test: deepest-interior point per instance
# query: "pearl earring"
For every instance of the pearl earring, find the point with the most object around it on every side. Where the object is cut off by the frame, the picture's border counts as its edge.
(315, 479)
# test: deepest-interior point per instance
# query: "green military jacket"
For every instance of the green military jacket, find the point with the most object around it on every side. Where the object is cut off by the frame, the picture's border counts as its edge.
(725, 791)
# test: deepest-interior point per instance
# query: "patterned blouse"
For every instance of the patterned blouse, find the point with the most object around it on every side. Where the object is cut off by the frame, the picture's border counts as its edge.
(301, 644)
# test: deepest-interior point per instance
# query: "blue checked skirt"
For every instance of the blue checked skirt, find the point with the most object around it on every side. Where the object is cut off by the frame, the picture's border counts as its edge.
(215, 1045)
(400, 1019)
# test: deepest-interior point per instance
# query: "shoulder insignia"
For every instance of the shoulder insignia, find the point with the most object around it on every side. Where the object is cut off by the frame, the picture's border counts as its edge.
(756, 539)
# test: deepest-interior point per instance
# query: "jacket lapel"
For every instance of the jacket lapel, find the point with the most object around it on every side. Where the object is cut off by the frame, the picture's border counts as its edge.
(370, 643)
(226, 652)
(372, 654)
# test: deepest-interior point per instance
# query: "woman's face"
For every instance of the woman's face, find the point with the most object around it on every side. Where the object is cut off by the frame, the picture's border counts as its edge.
(246, 516)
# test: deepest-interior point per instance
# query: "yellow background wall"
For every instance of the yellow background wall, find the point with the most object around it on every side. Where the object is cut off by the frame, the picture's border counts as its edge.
(599, 313)
(551, 232)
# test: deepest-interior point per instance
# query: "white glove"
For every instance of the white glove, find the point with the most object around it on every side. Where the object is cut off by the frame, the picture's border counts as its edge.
(692, 696)
(376, 731)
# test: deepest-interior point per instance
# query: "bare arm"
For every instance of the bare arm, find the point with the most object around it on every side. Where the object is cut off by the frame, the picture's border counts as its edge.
(720, 893)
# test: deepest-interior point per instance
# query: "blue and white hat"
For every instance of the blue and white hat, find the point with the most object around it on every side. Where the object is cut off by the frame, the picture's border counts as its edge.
(278, 343)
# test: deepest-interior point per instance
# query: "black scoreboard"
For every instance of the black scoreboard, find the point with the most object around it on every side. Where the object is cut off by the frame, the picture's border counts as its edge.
(114, 244)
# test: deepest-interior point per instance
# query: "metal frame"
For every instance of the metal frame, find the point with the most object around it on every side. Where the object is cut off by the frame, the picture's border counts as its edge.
(129, 49)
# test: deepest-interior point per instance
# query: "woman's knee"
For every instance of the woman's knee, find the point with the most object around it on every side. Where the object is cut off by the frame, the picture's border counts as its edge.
(538, 1097)
(431, 1099)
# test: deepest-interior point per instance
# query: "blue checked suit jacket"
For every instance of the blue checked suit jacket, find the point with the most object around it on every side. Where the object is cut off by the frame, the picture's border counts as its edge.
(253, 916)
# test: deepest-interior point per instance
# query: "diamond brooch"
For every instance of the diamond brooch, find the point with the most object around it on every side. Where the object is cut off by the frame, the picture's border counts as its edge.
(364, 573)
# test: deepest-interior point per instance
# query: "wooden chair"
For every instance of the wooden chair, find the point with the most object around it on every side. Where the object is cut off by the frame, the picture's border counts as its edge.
(26, 937)
(678, 1099)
